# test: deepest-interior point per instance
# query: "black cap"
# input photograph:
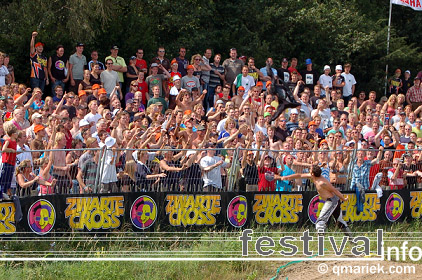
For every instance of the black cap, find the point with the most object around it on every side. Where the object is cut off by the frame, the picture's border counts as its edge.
(114, 47)
(195, 89)
(334, 109)
(79, 44)
(285, 60)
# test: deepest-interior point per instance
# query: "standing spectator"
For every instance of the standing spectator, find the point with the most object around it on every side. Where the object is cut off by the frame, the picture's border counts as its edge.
(232, 66)
(244, 80)
(182, 62)
(110, 79)
(190, 81)
(161, 60)
(109, 174)
(92, 117)
(253, 71)
(39, 76)
(141, 64)
(217, 77)
(205, 77)
(414, 94)
(309, 75)
(293, 65)
(8, 159)
(266, 173)
(325, 80)
(4, 73)
(266, 77)
(77, 63)
(407, 83)
(142, 87)
(119, 65)
(283, 72)
(57, 69)
(60, 169)
(11, 78)
(350, 83)
(395, 83)
(211, 166)
(156, 79)
(361, 168)
(94, 60)
(173, 73)
(338, 79)
(132, 73)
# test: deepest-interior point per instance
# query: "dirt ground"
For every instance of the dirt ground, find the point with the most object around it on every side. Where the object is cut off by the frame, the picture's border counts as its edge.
(309, 271)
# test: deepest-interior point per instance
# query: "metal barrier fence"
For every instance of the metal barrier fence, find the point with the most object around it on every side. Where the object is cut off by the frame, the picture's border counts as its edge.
(115, 170)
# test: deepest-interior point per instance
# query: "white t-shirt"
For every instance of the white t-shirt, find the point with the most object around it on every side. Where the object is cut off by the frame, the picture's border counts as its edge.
(260, 128)
(174, 91)
(325, 116)
(90, 117)
(350, 81)
(325, 80)
(3, 73)
(247, 83)
(212, 177)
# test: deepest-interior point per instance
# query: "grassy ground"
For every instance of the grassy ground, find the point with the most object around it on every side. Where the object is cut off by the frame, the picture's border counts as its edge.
(207, 243)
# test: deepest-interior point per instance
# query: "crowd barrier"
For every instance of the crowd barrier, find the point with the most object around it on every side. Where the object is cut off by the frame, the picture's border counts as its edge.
(238, 174)
(149, 211)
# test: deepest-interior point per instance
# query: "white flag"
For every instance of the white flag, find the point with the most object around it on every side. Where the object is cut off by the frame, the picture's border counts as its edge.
(414, 4)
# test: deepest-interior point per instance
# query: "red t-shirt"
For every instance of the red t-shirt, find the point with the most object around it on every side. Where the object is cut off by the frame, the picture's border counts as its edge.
(263, 183)
(141, 64)
(69, 139)
(10, 158)
(143, 87)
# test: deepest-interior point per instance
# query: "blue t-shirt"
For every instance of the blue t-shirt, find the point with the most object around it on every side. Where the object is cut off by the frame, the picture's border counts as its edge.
(285, 185)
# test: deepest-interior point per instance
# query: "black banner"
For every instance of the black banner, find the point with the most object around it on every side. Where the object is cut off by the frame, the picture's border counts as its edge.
(149, 211)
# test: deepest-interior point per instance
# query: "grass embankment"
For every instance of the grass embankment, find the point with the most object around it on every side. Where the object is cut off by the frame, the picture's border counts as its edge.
(174, 244)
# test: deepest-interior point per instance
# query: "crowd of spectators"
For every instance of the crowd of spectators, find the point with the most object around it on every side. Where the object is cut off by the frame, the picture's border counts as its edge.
(199, 124)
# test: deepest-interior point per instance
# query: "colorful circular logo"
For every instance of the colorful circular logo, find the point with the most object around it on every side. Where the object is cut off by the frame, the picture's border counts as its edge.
(314, 208)
(59, 65)
(143, 212)
(41, 217)
(237, 211)
(394, 207)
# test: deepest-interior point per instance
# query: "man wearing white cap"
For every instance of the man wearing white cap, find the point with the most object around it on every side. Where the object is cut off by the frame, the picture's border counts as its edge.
(325, 80)
(292, 124)
(174, 91)
(36, 120)
(109, 175)
(338, 79)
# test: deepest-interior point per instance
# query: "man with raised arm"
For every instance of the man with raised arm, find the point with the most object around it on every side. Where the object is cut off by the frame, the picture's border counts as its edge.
(329, 194)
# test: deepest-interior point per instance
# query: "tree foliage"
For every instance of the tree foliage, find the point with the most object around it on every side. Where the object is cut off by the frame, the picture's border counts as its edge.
(328, 31)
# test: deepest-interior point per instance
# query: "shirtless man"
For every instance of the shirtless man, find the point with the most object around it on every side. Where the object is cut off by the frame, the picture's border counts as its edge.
(371, 102)
(329, 194)
(60, 169)
(184, 100)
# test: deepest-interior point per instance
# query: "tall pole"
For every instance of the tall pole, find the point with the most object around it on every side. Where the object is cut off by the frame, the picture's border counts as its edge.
(388, 47)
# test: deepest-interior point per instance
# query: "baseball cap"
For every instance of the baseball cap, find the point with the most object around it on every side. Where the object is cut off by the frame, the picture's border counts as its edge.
(102, 91)
(220, 102)
(154, 65)
(339, 67)
(407, 71)
(114, 47)
(334, 109)
(259, 83)
(268, 83)
(417, 78)
(326, 67)
(132, 57)
(294, 111)
(311, 123)
(16, 96)
(96, 86)
(39, 44)
(266, 114)
(322, 142)
(110, 141)
(129, 101)
(241, 88)
(81, 92)
(79, 44)
(176, 77)
(83, 122)
(38, 128)
(284, 60)
(190, 67)
(397, 70)
(308, 61)
(173, 61)
(36, 115)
